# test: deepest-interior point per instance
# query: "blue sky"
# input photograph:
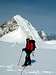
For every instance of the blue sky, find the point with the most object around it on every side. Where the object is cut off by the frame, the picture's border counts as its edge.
(41, 13)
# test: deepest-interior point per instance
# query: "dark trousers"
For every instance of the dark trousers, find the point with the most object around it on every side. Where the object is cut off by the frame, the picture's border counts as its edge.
(27, 58)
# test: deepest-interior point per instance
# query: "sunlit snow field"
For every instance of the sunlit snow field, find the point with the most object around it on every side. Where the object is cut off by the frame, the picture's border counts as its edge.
(43, 61)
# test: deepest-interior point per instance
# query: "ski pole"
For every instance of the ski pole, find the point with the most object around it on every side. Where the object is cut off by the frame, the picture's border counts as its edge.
(20, 58)
(22, 71)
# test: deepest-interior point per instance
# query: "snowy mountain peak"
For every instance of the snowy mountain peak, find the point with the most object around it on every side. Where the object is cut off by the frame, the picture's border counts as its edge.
(19, 29)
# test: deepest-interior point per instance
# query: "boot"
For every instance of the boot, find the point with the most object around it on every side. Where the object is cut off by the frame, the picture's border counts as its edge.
(29, 62)
(26, 60)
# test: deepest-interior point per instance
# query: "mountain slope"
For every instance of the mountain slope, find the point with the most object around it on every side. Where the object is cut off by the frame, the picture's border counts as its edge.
(24, 30)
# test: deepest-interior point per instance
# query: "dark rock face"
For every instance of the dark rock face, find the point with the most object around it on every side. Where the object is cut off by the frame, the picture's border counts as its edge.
(43, 35)
(7, 27)
(1, 32)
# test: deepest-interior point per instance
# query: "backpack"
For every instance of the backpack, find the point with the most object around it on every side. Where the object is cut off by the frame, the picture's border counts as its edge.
(30, 46)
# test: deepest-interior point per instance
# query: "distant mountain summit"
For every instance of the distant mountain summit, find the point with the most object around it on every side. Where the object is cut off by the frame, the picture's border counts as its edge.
(18, 29)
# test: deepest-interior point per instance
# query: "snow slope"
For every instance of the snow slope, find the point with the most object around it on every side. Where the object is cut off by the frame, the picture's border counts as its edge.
(13, 37)
(43, 62)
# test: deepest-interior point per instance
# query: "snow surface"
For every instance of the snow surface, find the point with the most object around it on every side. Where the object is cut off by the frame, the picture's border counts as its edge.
(15, 36)
(51, 42)
(43, 61)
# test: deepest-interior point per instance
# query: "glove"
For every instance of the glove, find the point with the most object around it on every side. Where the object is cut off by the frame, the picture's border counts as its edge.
(23, 49)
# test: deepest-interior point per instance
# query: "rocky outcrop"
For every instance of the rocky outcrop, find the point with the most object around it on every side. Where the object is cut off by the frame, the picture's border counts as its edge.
(7, 27)
(1, 32)
(43, 35)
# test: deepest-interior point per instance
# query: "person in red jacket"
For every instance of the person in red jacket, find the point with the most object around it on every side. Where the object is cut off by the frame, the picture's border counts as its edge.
(30, 46)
